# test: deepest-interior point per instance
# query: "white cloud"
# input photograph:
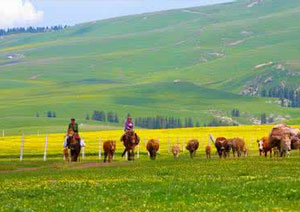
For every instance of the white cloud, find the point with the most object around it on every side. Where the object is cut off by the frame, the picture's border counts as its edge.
(17, 13)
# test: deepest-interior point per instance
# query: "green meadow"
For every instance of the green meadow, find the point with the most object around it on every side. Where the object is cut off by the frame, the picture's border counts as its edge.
(167, 184)
(184, 63)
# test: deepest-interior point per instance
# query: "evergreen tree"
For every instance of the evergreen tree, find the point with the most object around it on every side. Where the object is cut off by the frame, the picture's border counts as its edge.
(263, 118)
(49, 114)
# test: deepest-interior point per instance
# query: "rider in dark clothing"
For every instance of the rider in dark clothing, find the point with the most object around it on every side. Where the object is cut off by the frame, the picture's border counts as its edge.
(74, 126)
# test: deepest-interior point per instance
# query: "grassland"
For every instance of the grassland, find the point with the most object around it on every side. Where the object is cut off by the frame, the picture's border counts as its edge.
(166, 184)
(129, 64)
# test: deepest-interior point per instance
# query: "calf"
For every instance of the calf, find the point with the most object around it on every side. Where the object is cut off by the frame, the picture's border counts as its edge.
(176, 150)
(207, 151)
(153, 147)
(192, 147)
(109, 148)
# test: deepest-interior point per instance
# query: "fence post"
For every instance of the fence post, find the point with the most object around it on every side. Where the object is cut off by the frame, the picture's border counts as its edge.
(168, 144)
(3, 134)
(45, 149)
(99, 148)
(82, 152)
(138, 151)
(22, 147)
(158, 144)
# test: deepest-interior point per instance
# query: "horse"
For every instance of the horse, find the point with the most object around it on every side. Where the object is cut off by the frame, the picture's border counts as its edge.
(130, 141)
(109, 148)
(152, 147)
(74, 147)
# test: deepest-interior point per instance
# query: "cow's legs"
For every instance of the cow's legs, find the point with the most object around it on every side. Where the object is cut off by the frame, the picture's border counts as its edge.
(105, 156)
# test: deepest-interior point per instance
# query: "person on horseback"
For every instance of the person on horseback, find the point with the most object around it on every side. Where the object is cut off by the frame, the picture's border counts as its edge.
(128, 126)
(74, 127)
(129, 138)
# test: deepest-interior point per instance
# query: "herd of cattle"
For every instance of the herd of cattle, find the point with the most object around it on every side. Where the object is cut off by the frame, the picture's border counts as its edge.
(281, 140)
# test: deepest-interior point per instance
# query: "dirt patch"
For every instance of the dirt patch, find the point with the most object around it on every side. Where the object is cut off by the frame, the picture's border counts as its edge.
(89, 165)
(235, 43)
(34, 77)
(19, 170)
(263, 65)
(253, 3)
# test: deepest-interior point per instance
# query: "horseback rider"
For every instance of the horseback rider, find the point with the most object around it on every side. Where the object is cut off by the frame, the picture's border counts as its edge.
(128, 126)
(130, 138)
(74, 127)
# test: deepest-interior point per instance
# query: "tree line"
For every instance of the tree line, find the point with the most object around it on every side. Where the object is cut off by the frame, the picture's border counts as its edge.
(103, 117)
(292, 95)
(18, 30)
(49, 114)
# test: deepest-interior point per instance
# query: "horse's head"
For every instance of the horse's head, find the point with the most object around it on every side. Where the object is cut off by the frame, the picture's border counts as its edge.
(71, 132)
(133, 138)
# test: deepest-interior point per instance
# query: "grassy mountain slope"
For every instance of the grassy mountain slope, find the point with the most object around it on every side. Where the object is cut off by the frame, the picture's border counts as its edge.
(129, 64)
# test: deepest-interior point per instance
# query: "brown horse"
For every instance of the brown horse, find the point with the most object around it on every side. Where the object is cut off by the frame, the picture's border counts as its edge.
(192, 147)
(74, 146)
(152, 147)
(130, 141)
(109, 148)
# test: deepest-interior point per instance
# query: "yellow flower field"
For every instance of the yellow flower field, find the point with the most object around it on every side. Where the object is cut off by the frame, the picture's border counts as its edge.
(34, 144)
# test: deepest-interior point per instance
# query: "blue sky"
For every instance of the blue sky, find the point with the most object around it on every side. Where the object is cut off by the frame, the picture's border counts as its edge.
(70, 12)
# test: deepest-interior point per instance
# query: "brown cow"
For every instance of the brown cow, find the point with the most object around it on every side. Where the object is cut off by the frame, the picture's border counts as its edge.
(223, 146)
(238, 145)
(208, 151)
(264, 146)
(153, 147)
(281, 137)
(176, 150)
(109, 148)
(192, 147)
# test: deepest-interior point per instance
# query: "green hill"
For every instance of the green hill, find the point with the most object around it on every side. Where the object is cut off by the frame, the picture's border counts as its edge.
(185, 63)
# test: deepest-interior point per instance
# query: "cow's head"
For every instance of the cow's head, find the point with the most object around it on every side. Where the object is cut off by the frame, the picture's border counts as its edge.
(113, 146)
(260, 144)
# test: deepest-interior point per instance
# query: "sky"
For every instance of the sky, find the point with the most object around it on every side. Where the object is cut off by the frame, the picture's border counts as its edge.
(17, 13)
